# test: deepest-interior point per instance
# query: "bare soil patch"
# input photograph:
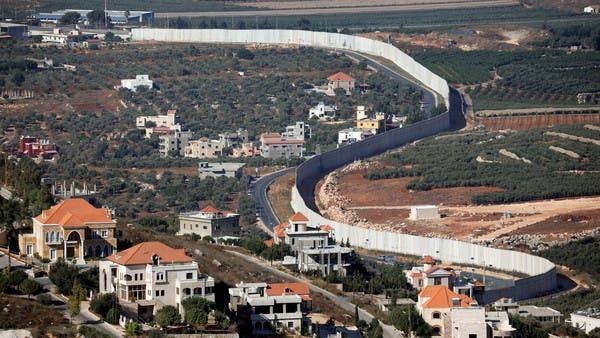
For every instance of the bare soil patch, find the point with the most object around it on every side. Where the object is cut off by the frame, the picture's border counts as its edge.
(565, 223)
(535, 121)
(393, 192)
(279, 195)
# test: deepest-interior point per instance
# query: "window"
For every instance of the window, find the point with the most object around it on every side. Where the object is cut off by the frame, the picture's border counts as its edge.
(176, 291)
(189, 275)
(52, 254)
(472, 336)
(104, 233)
(435, 315)
(437, 281)
(157, 293)
(291, 325)
(29, 249)
(162, 292)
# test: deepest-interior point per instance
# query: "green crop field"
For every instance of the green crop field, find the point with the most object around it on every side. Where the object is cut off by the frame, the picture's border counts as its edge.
(381, 20)
(452, 162)
(526, 78)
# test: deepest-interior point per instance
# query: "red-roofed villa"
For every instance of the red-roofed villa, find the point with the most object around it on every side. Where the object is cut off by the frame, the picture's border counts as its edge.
(73, 229)
(340, 80)
(150, 275)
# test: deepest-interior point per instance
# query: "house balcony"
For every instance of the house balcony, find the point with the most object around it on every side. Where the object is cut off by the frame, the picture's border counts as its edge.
(58, 241)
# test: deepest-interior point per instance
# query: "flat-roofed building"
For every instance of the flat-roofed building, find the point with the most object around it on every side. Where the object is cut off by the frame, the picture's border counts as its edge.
(15, 30)
(252, 303)
(210, 221)
(223, 169)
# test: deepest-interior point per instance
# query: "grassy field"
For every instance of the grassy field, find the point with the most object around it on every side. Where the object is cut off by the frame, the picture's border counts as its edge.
(475, 159)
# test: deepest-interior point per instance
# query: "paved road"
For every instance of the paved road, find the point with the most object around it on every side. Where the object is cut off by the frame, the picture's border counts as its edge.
(342, 302)
(258, 191)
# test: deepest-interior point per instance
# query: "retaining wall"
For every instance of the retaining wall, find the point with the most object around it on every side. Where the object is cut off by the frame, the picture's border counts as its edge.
(542, 271)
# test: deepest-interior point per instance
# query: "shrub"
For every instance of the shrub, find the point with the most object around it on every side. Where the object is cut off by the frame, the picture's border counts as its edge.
(167, 316)
(63, 274)
(44, 298)
(112, 316)
(30, 287)
(196, 316)
(133, 328)
(15, 278)
(101, 304)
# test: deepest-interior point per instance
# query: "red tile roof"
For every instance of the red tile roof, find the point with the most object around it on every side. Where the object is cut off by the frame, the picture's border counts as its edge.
(269, 243)
(279, 289)
(143, 252)
(340, 77)
(440, 297)
(298, 217)
(279, 230)
(74, 212)
(326, 227)
(209, 209)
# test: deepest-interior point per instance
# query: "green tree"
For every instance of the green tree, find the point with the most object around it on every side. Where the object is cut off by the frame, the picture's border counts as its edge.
(96, 17)
(30, 287)
(196, 316)
(167, 316)
(74, 306)
(133, 328)
(63, 275)
(101, 304)
(70, 18)
(222, 320)
(15, 278)
(112, 316)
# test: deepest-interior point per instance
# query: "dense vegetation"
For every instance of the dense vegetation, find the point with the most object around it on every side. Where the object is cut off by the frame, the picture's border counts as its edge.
(451, 161)
(525, 77)
(569, 302)
(581, 255)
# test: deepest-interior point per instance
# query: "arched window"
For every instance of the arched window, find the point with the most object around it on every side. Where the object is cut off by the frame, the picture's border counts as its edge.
(436, 330)
(187, 291)
(197, 291)
(436, 315)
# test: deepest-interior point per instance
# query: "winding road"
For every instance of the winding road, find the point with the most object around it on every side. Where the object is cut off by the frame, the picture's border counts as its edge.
(258, 191)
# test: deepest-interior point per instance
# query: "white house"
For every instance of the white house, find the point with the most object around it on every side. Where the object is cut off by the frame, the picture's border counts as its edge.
(314, 248)
(267, 310)
(322, 112)
(352, 135)
(434, 304)
(591, 9)
(423, 212)
(151, 275)
(162, 124)
(139, 81)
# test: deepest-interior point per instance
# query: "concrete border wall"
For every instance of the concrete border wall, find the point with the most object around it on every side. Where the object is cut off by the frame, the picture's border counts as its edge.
(542, 272)
(301, 38)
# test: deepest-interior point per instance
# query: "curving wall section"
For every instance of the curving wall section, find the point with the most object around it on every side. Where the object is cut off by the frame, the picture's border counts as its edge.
(302, 38)
(542, 272)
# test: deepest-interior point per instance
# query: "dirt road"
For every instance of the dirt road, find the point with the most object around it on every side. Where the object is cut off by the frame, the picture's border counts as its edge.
(527, 213)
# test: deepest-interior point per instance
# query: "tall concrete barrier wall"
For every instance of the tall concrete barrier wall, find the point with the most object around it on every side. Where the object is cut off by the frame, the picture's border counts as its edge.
(301, 38)
(542, 272)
